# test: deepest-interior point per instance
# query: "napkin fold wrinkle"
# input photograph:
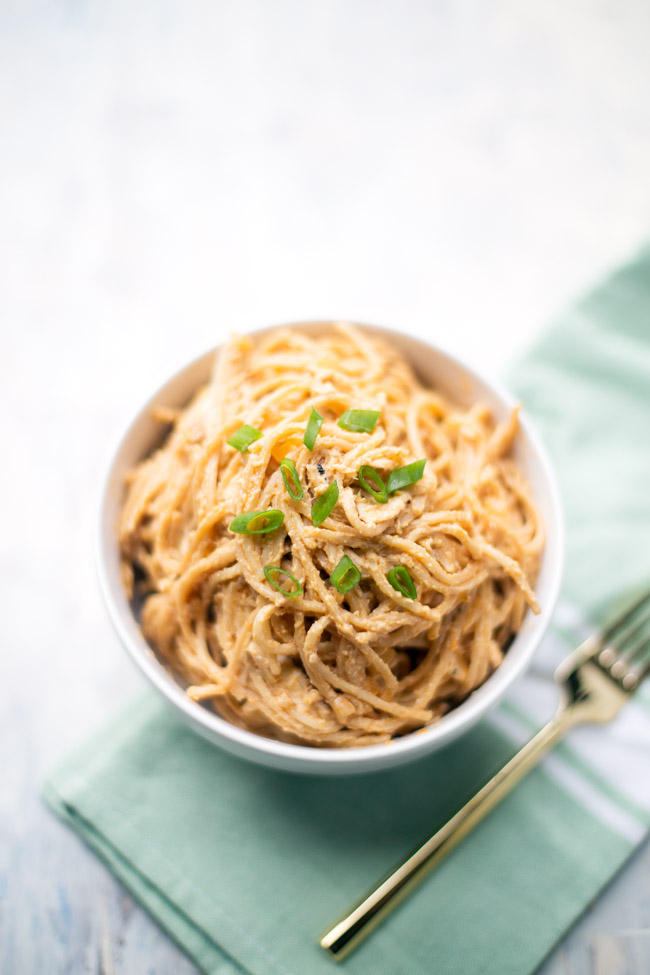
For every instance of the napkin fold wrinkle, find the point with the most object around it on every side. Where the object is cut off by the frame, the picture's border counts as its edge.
(244, 866)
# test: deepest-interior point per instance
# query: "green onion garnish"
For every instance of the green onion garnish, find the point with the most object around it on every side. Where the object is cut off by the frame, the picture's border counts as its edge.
(291, 479)
(372, 481)
(274, 570)
(313, 427)
(321, 508)
(257, 522)
(359, 421)
(244, 437)
(346, 575)
(400, 579)
(403, 477)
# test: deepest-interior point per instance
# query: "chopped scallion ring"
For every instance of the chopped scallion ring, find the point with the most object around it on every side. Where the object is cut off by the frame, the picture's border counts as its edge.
(322, 507)
(346, 575)
(257, 522)
(359, 421)
(291, 479)
(244, 437)
(400, 579)
(274, 570)
(313, 428)
(372, 482)
(403, 477)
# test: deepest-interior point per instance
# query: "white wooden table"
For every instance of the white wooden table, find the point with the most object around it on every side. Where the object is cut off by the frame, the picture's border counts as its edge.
(169, 172)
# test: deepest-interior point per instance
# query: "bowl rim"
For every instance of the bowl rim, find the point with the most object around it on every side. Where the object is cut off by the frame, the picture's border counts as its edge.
(306, 758)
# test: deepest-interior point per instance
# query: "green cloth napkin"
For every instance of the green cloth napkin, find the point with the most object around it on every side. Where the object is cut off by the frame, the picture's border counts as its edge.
(245, 867)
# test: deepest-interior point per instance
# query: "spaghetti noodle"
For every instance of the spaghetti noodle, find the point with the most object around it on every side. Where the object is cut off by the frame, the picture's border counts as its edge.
(328, 552)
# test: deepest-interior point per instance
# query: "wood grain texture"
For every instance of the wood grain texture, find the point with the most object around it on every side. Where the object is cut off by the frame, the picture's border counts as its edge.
(171, 171)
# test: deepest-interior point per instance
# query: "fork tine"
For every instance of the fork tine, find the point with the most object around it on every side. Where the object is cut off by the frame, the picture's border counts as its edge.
(625, 617)
(640, 651)
(626, 650)
(634, 677)
(638, 622)
(612, 654)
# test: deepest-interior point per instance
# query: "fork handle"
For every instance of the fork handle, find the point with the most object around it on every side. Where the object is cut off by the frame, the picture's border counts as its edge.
(351, 929)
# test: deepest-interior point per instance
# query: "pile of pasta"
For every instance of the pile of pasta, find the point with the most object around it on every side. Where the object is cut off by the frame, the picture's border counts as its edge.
(352, 564)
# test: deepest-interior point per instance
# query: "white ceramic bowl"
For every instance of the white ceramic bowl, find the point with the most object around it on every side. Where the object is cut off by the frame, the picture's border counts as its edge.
(462, 385)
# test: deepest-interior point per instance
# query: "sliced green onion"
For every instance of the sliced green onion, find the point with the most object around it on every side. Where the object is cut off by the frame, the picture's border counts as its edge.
(321, 508)
(274, 570)
(313, 427)
(400, 579)
(372, 482)
(359, 421)
(403, 477)
(291, 479)
(346, 575)
(244, 437)
(257, 522)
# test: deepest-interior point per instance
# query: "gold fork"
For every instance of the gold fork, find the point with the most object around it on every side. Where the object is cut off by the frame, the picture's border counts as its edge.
(595, 681)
